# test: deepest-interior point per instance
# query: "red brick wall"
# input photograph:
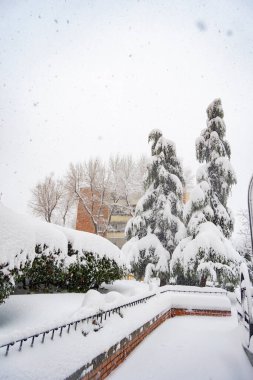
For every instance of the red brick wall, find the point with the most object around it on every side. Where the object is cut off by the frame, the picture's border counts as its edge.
(83, 219)
(105, 363)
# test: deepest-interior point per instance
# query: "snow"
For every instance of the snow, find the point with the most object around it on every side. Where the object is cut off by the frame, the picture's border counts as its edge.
(201, 174)
(85, 241)
(209, 236)
(190, 348)
(198, 199)
(225, 167)
(215, 251)
(154, 132)
(216, 237)
(134, 246)
(149, 270)
(177, 183)
(21, 314)
(10, 247)
(128, 288)
(214, 108)
(197, 196)
(20, 234)
(165, 145)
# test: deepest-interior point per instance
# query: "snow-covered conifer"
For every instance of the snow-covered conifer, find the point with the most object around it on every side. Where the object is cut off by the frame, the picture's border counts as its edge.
(205, 253)
(214, 150)
(160, 210)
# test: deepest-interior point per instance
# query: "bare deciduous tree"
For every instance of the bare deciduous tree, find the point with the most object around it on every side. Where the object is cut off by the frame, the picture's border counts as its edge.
(88, 182)
(65, 212)
(100, 188)
(52, 201)
(46, 196)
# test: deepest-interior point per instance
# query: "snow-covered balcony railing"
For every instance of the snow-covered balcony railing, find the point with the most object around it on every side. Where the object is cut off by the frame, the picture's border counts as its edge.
(98, 317)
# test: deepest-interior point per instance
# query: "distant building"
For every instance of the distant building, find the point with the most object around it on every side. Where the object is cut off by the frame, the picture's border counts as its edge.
(116, 230)
(84, 220)
(119, 218)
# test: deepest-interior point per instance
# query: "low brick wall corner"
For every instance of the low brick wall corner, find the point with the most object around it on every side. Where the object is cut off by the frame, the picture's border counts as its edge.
(102, 365)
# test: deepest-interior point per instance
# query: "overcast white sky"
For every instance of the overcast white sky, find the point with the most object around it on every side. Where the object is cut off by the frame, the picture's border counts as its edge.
(86, 78)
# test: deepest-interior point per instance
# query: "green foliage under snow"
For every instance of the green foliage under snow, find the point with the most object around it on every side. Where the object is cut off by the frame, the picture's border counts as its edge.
(160, 210)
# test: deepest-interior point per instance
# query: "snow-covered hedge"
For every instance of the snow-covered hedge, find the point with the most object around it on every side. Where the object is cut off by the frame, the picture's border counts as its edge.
(29, 247)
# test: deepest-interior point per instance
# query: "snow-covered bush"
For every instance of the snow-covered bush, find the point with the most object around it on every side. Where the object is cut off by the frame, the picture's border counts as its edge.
(45, 273)
(90, 271)
(6, 284)
(78, 273)
(214, 150)
(147, 250)
(40, 254)
(160, 210)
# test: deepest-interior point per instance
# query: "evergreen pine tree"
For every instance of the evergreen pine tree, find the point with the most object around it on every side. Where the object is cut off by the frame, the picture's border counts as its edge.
(214, 150)
(205, 253)
(160, 211)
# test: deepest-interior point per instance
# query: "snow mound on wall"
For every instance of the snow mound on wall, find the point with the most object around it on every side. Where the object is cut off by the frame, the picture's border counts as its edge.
(95, 302)
(20, 234)
(127, 287)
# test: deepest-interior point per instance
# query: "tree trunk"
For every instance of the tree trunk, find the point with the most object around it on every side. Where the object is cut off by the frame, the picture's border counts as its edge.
(203, 281)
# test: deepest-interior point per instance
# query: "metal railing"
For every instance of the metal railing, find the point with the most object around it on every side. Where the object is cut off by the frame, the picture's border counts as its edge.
(98, 316)
(67, 326)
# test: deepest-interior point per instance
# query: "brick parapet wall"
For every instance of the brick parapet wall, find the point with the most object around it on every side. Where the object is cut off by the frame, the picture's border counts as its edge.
(101, 366)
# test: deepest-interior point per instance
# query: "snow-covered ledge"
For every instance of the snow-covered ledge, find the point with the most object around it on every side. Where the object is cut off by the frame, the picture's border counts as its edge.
(86, 348)
(179, 305)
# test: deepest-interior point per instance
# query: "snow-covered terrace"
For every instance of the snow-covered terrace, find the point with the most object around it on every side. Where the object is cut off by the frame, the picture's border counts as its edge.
(23, 314)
